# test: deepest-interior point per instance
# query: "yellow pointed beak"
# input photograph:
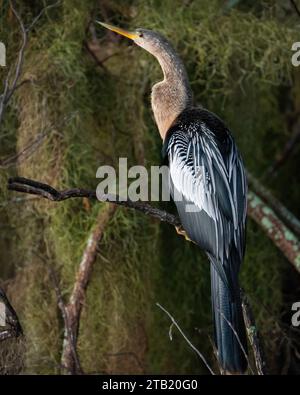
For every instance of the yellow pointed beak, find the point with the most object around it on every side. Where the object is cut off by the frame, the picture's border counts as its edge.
(118, 30)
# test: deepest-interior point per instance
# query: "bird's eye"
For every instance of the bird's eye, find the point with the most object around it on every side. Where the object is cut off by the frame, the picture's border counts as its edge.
(141, 35)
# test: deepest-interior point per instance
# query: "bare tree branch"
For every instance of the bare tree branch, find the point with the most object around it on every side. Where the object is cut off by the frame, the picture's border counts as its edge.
(295, 7)
(41, 13)
(24, 153)
(72, 311)
(10, 88)
(32, 187)
(253, 335)
(33, 145)
(20, 56)
(288, 218)
(75, 368)
(93, 55)
(259, 211)
(276, 230)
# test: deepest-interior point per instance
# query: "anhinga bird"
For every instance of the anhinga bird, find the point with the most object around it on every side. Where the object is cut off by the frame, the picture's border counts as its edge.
(206, 170)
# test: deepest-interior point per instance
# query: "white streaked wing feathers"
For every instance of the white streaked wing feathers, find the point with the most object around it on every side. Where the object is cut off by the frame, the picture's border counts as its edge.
(194, 159)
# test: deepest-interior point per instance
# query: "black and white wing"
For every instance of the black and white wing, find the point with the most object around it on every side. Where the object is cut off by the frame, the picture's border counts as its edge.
(209, 188)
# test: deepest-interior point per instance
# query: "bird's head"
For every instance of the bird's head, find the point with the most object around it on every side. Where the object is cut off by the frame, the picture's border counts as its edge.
(151, 41)
(172, 95)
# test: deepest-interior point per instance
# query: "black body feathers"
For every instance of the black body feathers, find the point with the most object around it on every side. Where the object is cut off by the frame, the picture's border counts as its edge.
(208, 185)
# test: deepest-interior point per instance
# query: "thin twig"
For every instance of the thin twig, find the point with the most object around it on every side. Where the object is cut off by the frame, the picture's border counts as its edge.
(94, 56)
(253, 335)
(185, 338)
(33, 145)
(26, 81)
(9, 89)
(48, 7)
(20, 55)
(295, 7)
(25, 153)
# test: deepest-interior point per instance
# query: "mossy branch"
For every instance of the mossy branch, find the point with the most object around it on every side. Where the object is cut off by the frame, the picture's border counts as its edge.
(72, 311)
(281, 235)
(258, 210)
(285, 215)
(73, 308)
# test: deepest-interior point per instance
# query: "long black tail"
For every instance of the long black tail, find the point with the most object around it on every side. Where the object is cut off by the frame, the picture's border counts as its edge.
(230, 338)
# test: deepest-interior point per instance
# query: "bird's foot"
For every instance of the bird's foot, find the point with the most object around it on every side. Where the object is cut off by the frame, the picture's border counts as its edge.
(182, 232)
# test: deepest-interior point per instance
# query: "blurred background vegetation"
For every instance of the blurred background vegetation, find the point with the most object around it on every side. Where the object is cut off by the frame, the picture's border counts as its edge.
(87, 94)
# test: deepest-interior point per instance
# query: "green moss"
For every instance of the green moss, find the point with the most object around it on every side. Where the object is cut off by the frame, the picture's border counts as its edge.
(237, 63)
(267, 223)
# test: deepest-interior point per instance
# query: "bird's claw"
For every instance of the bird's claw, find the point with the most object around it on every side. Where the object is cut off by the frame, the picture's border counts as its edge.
(182, 232)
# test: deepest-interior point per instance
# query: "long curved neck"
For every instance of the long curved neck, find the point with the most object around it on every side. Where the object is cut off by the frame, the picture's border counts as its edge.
(172, 95)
